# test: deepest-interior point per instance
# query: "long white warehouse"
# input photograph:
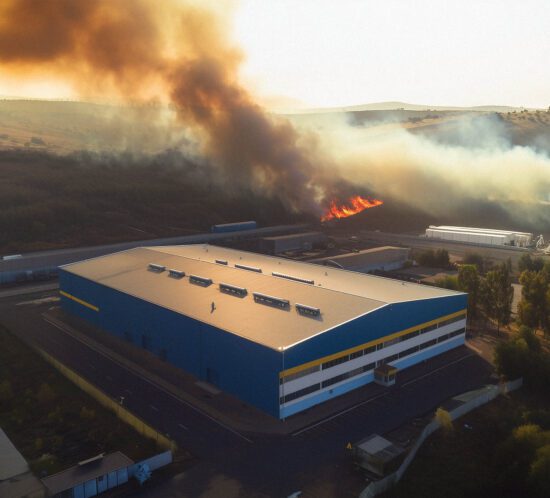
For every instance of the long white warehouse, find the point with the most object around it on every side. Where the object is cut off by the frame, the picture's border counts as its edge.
(473, 235)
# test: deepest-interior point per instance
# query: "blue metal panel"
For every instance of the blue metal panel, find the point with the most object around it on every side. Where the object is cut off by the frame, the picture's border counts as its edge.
(326, 395)
(379, 323)
(367, 379)
(236, 365)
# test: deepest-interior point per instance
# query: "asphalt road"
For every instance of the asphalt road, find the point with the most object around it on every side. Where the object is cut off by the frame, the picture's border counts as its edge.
(36, 261)
(253, 465)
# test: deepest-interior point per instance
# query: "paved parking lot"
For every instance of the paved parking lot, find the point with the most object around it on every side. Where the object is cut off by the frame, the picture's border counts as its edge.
(234, 464)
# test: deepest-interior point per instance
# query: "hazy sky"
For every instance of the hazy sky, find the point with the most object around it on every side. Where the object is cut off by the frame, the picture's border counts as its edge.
(344, 52)
(439, 52)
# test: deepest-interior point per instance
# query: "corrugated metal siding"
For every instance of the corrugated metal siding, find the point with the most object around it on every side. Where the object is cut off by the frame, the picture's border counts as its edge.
(236, 365)
(384, 321)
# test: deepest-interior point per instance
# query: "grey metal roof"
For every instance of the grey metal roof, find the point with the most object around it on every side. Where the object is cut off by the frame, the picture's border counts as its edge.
(373, 256)
(340, 295)
(67, 479)
(293, 236)
(12, 462)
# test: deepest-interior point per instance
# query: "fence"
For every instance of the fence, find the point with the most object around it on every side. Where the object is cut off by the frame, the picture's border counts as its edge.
(154, 462)
(110, 403)
(490, 393)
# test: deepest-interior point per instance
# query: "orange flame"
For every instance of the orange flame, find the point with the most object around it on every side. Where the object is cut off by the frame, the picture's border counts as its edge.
(355, 205)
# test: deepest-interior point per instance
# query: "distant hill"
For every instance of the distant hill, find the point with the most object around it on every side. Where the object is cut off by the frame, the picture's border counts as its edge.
(403, 106)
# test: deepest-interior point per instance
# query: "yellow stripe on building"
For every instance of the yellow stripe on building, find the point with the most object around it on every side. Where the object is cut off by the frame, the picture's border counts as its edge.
(79, 301)
(386, 338)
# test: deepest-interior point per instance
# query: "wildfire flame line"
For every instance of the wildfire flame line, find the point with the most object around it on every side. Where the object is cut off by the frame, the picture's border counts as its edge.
(354, 205)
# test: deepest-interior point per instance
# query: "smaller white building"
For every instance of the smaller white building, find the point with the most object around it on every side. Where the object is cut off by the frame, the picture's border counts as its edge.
(486, 236)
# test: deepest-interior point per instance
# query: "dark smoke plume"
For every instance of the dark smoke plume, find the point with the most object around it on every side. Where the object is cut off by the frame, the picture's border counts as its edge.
(143, 49)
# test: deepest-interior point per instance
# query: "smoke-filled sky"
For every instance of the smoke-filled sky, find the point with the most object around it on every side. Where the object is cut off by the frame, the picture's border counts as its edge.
(333, 53)
(192, 55)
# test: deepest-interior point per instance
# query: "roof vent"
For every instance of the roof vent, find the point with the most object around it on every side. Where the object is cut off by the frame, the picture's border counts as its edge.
(233, 289)
(157, 268)
(303, 309)
(292, 277)
(195, 279)
(176, 273)
(221, 262)
(271, 300)
(249, 268)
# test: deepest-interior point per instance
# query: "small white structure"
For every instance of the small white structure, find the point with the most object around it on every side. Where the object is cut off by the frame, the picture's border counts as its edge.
(486, 236)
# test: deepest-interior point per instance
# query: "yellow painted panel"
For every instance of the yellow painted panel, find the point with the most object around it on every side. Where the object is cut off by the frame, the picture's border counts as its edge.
(79, 301)
(386, 338)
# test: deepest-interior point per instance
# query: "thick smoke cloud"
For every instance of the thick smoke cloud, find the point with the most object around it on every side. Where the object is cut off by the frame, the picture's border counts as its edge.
(177, 53)
(143, 49)
(439, 170)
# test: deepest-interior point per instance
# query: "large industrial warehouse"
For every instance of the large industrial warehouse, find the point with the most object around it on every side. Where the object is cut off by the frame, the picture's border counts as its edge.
(279, 334)
(487, 236)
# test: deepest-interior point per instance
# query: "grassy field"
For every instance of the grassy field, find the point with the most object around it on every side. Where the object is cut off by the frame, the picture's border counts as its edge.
(481, 456)
(50, 421)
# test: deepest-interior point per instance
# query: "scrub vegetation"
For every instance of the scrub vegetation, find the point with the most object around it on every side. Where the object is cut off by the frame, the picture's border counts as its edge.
(50, 421)
(49, 201)
(500, 450)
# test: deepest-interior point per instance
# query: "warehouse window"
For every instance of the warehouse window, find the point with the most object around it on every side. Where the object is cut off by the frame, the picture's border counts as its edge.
(428, 344)
(299, 394)
(301, 373)
(457, 332)
(410, 335)
(391, 342)
(336, 361)
(233, 289)
(408, 352)
(271, 300)
(303, 309)
(452, 320)
(203, 281)
(370, 349)
(356, 354)
(429, 328)
(341, 377)
(443, 338)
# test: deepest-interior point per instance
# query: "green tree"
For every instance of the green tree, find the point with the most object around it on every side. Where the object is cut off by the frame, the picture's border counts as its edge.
(499, 294)
(527, 263)
(534, 306)
(468, 281)
(474, 258)
(447, 282)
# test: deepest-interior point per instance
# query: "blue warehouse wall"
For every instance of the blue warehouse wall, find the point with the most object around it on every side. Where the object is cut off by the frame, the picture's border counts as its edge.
(236, 365)
(387, 320)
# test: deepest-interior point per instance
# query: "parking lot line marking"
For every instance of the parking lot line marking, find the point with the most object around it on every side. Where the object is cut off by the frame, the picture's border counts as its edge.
(153, 407)
(328, 419)
(436, 370)
(183, 427)
(145, 379)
